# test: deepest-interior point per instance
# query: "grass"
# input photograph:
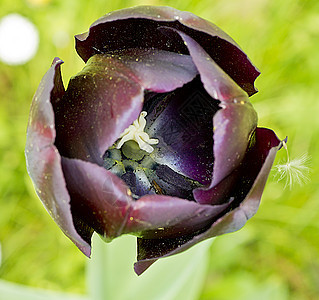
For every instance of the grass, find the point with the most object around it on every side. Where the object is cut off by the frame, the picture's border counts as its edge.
(275, 256)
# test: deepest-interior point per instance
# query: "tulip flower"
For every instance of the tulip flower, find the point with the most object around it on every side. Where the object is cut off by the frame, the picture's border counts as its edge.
(155, 137)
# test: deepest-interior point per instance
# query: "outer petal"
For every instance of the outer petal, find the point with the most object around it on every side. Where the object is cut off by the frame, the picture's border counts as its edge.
(233, 128)
(43, 159)
(157, 216)
(100, 102)
(99, 198)
(247, 193)
(103, 202)
(107, 96)
(137, 27)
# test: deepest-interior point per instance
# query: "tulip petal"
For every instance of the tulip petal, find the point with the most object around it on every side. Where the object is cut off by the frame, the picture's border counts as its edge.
(247, 194)
(99, 198)
(44, 161)
(99, 103)
(108, 95)
(216, 81)
(234, 123)
(234, 126)
(183, 123)
(137, 27)
(157, 216)
(159, 71)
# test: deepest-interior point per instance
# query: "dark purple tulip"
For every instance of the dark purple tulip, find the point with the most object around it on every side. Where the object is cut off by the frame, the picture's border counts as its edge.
(192, 166)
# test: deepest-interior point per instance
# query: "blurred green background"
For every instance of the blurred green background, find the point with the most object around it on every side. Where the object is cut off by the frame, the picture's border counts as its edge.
(276, 255)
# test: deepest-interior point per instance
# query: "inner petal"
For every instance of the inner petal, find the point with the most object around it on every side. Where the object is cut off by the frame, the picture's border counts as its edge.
(182, 121)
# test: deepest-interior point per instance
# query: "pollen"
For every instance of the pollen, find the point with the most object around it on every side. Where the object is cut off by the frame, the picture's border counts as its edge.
(136, 133)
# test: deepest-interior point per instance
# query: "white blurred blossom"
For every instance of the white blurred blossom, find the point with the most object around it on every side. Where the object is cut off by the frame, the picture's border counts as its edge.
(19, 39)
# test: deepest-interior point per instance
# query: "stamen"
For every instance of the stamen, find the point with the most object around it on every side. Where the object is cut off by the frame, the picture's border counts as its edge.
(136, 133)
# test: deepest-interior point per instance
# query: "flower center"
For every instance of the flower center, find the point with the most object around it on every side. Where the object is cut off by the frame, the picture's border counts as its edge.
(145, 169)
(135, 132)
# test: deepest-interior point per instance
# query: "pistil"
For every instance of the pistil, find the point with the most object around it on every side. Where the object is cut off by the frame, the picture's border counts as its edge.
(135, 132)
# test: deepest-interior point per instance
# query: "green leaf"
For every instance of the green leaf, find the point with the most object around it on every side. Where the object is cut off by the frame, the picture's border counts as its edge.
(111, 274)
(13, 291)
